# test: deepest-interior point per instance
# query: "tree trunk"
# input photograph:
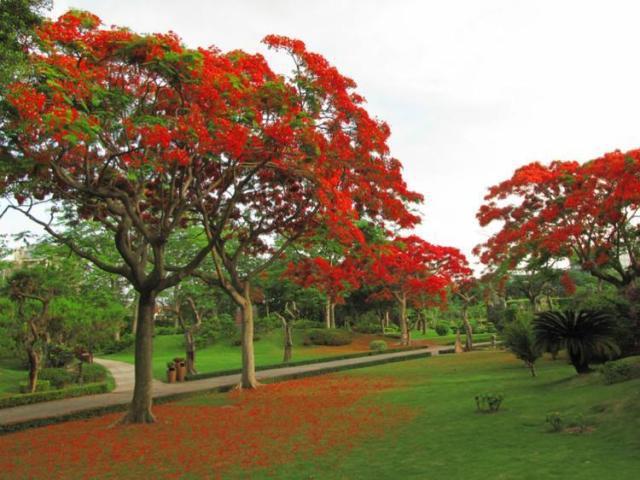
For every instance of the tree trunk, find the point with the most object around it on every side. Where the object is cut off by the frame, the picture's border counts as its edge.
(333, 315)
(190, 345)
(288, 341)
(248, 359)
(387, 321)
(116, 334)
(405, 335)
(327, 314)
(34, 366)
(532, 368)
(140, 408)
(581, 366)
(134, 320)
(468, 343)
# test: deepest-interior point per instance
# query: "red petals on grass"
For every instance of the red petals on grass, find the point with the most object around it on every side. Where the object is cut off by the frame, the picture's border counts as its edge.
(261, 429)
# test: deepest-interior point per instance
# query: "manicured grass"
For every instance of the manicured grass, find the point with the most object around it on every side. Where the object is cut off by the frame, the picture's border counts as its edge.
(224, 356)
(11, 374)
(409, 420)
(268, 350)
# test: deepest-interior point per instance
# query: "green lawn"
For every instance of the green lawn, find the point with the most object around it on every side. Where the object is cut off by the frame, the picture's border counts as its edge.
(268, 351)
(11, 373)
(449, 439)
(222, 355)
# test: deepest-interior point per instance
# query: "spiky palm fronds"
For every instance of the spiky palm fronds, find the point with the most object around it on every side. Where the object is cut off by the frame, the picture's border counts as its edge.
(584, 334)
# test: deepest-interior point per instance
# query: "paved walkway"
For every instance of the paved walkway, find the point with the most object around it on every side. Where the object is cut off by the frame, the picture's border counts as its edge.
(123, 374)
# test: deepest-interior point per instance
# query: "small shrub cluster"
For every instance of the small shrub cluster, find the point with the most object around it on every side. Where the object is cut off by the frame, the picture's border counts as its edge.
(237, 341)
(442, 329)
(41, 386)
(555, 421)
(489, 402)
(328, 337)
(305, 324)
(621, 370)
(557, 424)
(59, 356)
(93, 373)
(378, 345)
(370, 328)
(115, 346)
(166, 331)
(58, 377)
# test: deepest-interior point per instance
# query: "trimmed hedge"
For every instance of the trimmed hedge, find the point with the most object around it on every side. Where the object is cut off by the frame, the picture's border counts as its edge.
(621, 370)
(41, 386)
(378, 345)
(328, 337)
(77, 391)
(235, 371)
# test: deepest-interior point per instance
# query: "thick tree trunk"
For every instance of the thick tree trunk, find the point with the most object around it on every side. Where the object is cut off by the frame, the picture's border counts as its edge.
(387, 320)
(468, 343)
(327, 314)
(134, 320)
(248, 359)
(405, 335)
(34, 366)
(116, 334)
(140, 408)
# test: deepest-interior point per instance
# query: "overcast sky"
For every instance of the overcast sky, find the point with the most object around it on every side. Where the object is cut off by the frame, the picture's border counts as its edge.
(471, 89)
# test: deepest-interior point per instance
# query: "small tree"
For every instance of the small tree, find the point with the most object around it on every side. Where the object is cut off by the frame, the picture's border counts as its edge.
(291, 314)
(584, 334)
(520, 340)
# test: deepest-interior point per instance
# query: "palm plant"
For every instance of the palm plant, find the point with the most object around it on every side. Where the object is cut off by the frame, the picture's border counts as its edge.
(520, 340)
(584, 334)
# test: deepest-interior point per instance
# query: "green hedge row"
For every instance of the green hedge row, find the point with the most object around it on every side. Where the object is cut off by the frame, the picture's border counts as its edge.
(77, 391)
(220, 373)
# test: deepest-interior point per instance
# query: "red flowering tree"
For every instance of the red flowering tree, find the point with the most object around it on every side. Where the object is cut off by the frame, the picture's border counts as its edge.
(410, 269)
(306, 156)
(585, 212)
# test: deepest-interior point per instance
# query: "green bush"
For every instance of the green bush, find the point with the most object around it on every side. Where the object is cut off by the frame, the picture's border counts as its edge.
(238, 340)
(328, 337)
(45, 396)
(442, 329)
(370, 328)
(305, 324)
(166, 331)
(267, 323)
(555, 421)
(378, 345)
(621, 370)
(58, 377)
(489, 402)
(116, 346)
(41, 386)
(93, 373)
(59, 356)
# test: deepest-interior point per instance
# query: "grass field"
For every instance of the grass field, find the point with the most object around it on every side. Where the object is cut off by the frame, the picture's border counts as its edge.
(408, 420)
(268, 350)
(11, 374)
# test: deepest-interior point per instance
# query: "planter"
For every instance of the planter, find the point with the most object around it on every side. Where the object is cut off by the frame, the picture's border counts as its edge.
(171, 375)
(181, 371)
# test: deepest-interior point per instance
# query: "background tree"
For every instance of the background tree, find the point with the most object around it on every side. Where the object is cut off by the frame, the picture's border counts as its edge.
(520, 340)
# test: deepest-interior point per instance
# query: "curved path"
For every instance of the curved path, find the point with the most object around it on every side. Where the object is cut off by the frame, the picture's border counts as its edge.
(123, 374)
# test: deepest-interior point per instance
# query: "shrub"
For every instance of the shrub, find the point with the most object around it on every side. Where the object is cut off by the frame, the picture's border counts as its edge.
(45, 396)
(328, 337)
(115, 346)
(519, 339)
(367, 328)
(93, 373)
(305, 324)
(584, 334)
(267, 323)
(378, 345)
(621, 370)
(59, 356)
(41, 386)
(166, 331)
(392, 328)
(555, 422)
(237, 341)
(442, 329)
(489, 402)
(57, 377)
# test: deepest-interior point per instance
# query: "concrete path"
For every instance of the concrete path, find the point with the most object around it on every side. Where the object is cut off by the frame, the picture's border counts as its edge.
(123, 374)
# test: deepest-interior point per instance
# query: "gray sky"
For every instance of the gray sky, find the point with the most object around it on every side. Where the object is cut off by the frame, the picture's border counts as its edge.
(471, 89)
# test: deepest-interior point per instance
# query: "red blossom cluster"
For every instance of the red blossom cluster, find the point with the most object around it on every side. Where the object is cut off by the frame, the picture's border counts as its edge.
(586, 212)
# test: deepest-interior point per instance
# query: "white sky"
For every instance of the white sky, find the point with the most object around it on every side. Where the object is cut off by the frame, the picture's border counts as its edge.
(471, 89)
